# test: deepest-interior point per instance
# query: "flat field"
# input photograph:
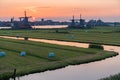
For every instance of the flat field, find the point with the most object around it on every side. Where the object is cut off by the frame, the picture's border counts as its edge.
(37, 59)
(101, 35)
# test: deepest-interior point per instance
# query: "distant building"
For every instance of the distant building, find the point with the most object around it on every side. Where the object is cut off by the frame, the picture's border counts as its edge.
(42, 20)
(80, 23)
(116, 23)
(100, 23)
(93, 23)
(49, 22)
(4, 23)
(112, 23)
(22, 24)
(73, 23)
(1, 23)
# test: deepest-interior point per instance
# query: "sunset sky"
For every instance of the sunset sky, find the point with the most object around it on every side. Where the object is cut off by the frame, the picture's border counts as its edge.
(108, 10)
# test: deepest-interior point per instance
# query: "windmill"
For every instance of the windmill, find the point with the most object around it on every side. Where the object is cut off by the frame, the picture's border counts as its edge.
(77, 23)
(24, 22)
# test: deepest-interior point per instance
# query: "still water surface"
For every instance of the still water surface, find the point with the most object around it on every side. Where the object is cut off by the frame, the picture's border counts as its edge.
(89, 71)
(5, 27)
(42, 27)
(50, 26)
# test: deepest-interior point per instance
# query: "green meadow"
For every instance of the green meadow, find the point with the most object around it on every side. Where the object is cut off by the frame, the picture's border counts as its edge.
(101, 35)
(37, 59)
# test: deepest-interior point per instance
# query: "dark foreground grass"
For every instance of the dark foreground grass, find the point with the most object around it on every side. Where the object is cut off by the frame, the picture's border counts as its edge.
(101, 35)
(37, 59)
(114, 77)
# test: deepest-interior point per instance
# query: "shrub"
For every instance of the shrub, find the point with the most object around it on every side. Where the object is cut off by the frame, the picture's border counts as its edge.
(25, 38)
(96, 46)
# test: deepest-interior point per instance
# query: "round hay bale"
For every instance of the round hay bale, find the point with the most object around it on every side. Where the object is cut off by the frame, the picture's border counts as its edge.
(51, 54)
(2, 54)
(23, 53)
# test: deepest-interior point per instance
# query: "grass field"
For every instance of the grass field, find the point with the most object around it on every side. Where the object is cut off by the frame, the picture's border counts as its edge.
(37, 59)
(101, 35)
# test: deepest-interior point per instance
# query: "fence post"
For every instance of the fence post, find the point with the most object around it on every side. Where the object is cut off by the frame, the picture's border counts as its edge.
(14, 74)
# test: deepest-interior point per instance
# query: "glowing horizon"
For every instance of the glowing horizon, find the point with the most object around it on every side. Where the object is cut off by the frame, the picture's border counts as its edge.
(58, 9)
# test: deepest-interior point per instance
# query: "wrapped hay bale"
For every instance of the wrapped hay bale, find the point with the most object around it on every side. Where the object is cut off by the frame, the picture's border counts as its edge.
(2, 54)
(23, 53)
(51, 55)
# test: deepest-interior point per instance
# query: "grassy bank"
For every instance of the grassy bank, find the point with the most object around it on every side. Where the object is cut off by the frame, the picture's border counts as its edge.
(114, 77)
(37, 59)
(99, 35)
